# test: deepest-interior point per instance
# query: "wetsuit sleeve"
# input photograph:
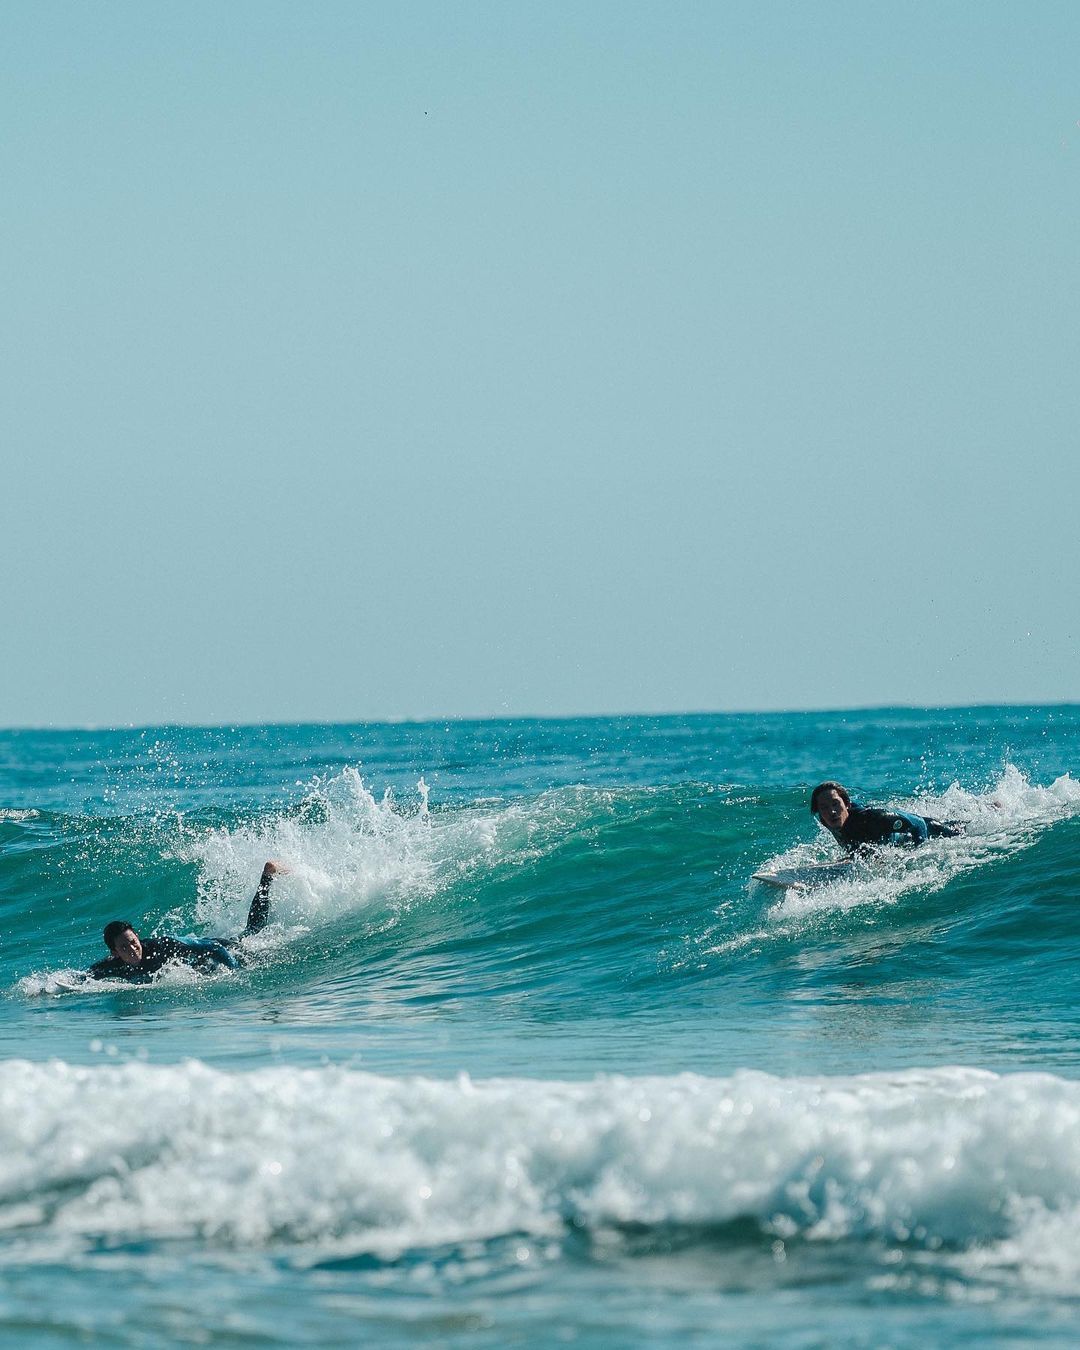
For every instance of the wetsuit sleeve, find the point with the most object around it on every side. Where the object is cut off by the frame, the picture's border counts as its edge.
(943, 829)
(206, 951)
(851, 845)
(259, 910)
(909, 828)
(867, 825)
(109, 968)
(112, 968)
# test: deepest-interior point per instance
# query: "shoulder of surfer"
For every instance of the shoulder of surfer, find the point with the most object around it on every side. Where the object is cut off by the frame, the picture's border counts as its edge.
(108, 968)
(112, 968)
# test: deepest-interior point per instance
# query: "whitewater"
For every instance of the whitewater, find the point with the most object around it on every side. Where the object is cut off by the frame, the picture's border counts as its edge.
(524, 1055)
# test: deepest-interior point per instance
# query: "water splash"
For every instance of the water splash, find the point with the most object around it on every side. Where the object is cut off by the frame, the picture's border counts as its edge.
(1007, 817)
(953, 1159)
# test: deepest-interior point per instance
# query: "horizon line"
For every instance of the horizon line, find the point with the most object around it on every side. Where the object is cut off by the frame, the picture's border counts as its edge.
(243, 724)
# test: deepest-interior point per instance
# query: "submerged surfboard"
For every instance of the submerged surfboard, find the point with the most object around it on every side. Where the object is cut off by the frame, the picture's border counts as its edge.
(804, 878)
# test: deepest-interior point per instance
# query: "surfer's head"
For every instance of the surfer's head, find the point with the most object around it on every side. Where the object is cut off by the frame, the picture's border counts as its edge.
(831, 803)
(123, 941)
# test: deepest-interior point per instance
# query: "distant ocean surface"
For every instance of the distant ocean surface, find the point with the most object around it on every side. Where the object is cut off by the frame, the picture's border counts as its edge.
(524, 1056)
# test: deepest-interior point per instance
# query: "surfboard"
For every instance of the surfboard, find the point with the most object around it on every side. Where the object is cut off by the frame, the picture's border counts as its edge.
(58, 982)
(804, 878)
(65, 984)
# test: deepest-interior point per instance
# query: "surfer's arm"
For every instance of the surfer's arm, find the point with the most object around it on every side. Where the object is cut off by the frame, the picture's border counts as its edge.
(109, 968)
(207, 951)
(909, 829)
(112, 968)
(259, 909)
(850, 846)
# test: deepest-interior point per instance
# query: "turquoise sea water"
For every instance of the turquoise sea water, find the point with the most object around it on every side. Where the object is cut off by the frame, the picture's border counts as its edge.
(524, 1056)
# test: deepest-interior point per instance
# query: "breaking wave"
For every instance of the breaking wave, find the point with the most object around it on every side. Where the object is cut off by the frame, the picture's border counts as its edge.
(981, 1167)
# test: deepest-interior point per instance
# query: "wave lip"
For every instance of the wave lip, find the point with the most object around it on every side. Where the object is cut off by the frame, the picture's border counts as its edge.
(324, 1161)
(350, 852)
(364, 864)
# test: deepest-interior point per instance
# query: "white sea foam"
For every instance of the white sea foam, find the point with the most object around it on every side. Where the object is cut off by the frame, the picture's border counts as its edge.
(57, 983)
(351, 852)
(1006, 818)
(329, 1160)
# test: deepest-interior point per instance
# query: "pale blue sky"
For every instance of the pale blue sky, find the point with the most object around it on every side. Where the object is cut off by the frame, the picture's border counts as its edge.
(366, 361)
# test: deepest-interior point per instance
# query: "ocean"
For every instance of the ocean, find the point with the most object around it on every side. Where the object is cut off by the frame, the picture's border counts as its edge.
(524, 1056)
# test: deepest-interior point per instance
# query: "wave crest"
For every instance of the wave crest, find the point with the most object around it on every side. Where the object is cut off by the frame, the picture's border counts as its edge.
(340, 1160)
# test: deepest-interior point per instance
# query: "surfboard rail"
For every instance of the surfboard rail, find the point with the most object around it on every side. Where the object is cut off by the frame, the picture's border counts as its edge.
(804, 878)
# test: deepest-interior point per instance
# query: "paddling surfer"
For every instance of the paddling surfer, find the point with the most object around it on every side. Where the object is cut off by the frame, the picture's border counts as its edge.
(854, 826)
(137, 960)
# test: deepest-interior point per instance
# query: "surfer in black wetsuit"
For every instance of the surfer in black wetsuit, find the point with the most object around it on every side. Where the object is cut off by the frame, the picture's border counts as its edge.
(855, 826)
(135, 960)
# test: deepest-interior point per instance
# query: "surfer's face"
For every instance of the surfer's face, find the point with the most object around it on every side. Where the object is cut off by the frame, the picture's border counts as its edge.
(128, 947)
(832, 809)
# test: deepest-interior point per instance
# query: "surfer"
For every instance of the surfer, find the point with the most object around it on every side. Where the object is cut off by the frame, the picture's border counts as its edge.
(855, 826)
(137, 960)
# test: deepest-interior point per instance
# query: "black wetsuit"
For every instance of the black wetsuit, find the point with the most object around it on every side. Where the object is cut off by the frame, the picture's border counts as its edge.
(867, 825)
(158, 952)
(202, 954)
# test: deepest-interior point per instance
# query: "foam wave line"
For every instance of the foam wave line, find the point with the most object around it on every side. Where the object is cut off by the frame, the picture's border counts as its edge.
(334, 1159)
(607, 876)
(351, 852)
(1007, 818)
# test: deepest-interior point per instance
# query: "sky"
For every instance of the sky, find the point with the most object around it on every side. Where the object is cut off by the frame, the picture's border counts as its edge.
(368, 361)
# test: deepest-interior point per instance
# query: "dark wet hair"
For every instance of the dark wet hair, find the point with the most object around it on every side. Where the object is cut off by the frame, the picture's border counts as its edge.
(824, 787)
(113, 931)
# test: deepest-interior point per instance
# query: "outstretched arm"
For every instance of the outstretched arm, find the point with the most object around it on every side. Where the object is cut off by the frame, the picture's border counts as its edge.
(259, 911)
